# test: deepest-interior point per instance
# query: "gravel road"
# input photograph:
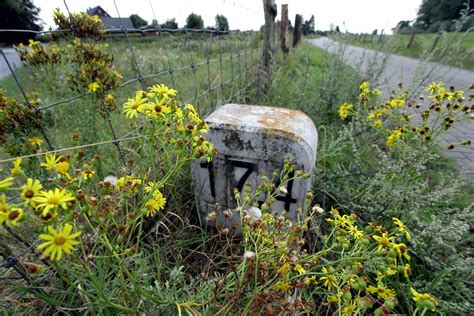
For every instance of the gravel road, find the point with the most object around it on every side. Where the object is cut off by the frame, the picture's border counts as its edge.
(13, 59)
(414, 74)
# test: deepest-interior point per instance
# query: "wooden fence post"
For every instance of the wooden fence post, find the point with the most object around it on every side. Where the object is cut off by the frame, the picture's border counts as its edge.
(441, 29)
(284, 29)
(380, 37)
(412, 36)
(264, 73)
(297, 30)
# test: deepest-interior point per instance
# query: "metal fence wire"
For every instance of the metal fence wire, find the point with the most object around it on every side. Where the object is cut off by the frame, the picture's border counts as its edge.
(235, 47)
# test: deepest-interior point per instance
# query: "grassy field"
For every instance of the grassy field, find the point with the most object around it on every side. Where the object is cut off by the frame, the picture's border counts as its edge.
(231, 66)
(456, 49)
(170, 264)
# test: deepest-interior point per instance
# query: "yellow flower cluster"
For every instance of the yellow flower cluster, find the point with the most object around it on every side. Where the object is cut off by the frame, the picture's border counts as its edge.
(365, 92)
(82, 24)
(354, 270)
(345, 224)
(36, 54)
(45, 204)
(392, 255)
(446, 109)
(155, 204)
(344, 110)
(394, 137)
(159, 104)
(424, 300)
(59, 202)
(93, 71)
(14, 114)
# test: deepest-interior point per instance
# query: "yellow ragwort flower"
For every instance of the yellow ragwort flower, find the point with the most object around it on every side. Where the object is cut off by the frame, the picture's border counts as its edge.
(4, 208)
(134, 106)
(300, 269)
(16, 167)
(378, 123)
(376, 113)
(406, 270)
(109, 98)
(382, 291)
(424, 299)
(30, 190)
(355, 232)
(311, 280)
(93, 86)
(434, 87)
(58, 241)
(51, 162)
(35, 141)
(6, 183)
(162, 90)
(401, 227)
(400, 103)
(364, 88)
(329, 280)
(284, 269)
(155, 204)
(87, 174)
(14, 216)
(349, 309)
(282, 287)
(62, 167)
(393, 138)
(52, 200)
(344, 110)
(401, 249)
(383, 241)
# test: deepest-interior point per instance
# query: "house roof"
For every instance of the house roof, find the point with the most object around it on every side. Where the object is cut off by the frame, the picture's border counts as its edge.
(98, 10)
(115, 23)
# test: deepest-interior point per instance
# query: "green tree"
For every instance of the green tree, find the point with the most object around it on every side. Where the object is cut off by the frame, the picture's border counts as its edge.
(137, 21)
(154, 24)
(194, 21)
(434, 12)
(308, 26)
(170, 24)
(221, 23)
(18, 14)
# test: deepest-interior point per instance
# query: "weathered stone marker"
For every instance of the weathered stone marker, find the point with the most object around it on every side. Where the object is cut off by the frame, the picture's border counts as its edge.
(252, 141)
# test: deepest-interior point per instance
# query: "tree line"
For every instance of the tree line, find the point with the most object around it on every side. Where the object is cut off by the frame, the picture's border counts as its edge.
(193, 21)
(444, 15)
(24, 15)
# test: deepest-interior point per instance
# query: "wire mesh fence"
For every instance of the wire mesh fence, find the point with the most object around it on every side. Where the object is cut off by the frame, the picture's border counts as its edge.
(207, 67)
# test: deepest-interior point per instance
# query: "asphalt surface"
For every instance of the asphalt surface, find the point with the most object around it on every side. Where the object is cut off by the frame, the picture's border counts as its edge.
(13, 59)
(390, 70)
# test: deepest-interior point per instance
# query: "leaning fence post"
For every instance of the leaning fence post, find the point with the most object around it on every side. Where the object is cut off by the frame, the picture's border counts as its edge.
(264, 73)
(284, 29)
(441, 29)
(412, 36)
(297, 30)
(380, 37)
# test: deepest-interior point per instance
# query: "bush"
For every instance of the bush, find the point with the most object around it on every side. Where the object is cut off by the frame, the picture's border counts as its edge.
(401, 175)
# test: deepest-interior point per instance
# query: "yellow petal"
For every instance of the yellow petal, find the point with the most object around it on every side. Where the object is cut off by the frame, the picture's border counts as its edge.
(44, 245)
(46, 237)
(66, 230)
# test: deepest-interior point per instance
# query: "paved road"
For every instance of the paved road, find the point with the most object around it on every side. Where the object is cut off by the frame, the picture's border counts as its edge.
(13, 59)
(390, 70)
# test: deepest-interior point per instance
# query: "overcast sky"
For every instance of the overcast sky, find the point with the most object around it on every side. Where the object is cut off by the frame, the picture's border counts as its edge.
(358, 15)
